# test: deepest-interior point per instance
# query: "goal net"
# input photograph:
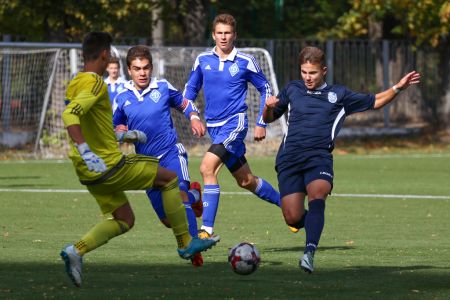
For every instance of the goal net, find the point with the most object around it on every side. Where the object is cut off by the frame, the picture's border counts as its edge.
(26, 77)
(171, 63)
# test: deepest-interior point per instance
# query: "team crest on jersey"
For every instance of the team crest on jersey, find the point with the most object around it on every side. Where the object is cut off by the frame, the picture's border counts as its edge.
(155, 95)
(234, 69)
(332, 97)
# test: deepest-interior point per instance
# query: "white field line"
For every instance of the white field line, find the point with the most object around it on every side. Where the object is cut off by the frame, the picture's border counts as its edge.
(396, 156)
(352, 156)
(437, 197)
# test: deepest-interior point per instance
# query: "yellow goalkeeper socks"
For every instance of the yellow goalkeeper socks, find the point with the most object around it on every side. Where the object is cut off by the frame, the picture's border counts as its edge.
(100, 234)
(176, 213)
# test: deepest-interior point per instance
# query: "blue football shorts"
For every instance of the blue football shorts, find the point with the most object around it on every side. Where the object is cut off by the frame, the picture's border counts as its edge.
(176, 160)
(232, 135)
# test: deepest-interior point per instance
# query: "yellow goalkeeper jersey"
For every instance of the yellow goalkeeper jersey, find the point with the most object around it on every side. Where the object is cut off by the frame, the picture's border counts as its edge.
(88, 105)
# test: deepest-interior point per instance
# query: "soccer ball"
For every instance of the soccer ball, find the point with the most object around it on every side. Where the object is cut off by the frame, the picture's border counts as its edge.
(244, 258)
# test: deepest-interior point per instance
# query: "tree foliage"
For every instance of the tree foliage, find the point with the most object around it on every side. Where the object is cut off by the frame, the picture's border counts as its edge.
(424, 21)
(188, 21)
(68, 20)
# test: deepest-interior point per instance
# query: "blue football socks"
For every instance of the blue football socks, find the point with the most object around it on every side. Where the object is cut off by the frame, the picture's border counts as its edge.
(211, 194)
(265, 191)
(192, 220)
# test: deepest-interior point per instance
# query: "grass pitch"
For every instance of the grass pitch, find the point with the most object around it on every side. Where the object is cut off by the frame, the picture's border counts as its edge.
(386, 236)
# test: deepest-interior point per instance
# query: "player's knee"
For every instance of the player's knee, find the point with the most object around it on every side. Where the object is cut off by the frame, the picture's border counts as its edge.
(164, 177)
(126, 223)
(130, 222)
(317, 195)
(206, 170)
(167, 184)
(166, 222)
(291, 216)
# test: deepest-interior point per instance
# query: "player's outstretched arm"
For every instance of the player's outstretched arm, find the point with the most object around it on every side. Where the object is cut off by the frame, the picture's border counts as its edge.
(271, 102)
(383, 98)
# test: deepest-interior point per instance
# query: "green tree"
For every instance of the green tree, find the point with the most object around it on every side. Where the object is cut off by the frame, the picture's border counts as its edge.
(426, 22)
(68, 20)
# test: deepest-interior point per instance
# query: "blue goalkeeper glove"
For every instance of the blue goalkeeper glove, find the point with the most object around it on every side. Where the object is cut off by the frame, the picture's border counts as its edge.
(131, 136)
(92, 160)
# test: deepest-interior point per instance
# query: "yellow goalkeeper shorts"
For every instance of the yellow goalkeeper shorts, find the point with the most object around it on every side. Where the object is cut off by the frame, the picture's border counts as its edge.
(134, 172)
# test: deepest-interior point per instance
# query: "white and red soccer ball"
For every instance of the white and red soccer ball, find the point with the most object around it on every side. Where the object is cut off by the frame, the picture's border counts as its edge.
(244, 258)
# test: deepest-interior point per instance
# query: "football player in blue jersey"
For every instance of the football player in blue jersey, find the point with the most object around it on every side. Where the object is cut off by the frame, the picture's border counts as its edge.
(136, 109)
(304, 162)
(224, 73)
(114, 81)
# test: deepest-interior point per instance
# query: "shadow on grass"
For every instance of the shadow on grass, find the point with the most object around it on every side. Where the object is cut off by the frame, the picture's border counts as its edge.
(18, 177)
(217, 281)
(300, 249)
(24, 186)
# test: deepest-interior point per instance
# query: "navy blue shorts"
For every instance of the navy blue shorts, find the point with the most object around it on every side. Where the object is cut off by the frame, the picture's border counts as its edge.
(294, 177)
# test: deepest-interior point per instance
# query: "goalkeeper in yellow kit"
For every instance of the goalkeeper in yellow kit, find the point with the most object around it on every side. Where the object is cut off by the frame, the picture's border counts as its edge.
(105, 171)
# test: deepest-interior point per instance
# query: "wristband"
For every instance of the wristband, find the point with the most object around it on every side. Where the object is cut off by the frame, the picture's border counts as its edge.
(195, 117)
(396, 89)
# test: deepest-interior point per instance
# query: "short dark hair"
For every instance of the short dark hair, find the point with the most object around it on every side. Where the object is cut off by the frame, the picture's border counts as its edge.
(94, 43)
(114, 60)
(313, 55)
(224, 19)
(139, 51)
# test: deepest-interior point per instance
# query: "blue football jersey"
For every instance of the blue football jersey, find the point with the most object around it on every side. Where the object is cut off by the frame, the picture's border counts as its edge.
(225, 83)
(149, 111)
(115, 88)
(316, 116)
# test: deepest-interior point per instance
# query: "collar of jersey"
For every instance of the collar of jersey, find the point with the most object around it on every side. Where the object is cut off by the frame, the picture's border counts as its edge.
(324, 85)
(230, 56)
(153, 85)
(118, 81)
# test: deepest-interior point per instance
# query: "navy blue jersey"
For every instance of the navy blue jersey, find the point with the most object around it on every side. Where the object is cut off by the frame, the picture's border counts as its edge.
(316, 116)
(225, 85)
(149, 111)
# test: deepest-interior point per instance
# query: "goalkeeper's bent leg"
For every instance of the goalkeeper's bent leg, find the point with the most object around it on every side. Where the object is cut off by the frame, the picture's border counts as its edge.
(175, 212)
(100, 234)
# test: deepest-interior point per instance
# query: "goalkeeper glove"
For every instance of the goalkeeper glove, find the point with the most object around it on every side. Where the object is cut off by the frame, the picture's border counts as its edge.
(92, 160)
(131, 136)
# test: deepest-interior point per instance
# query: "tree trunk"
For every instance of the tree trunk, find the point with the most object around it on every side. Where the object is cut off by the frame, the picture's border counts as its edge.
(194, 22)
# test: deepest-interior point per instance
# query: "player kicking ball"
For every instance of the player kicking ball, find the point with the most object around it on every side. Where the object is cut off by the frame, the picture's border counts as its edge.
(105, 171)
(304, 163)
(144, 100)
